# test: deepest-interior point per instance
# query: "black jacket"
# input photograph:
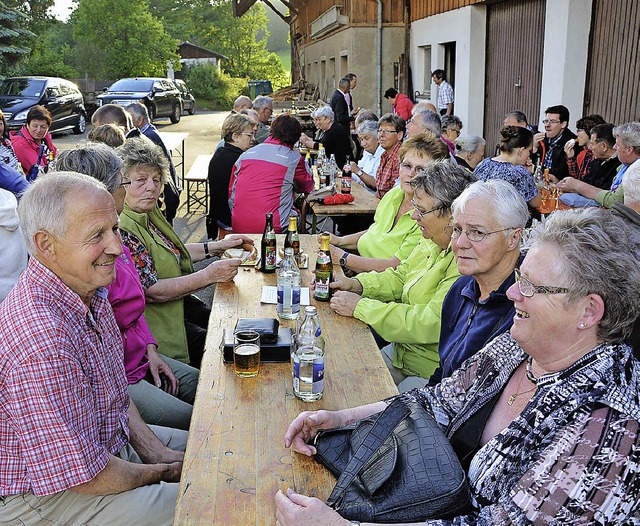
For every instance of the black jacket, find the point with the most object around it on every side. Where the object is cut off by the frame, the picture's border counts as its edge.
(336, 141)
(558, 157)
(340, 108)
(602, 172)
(219, 176)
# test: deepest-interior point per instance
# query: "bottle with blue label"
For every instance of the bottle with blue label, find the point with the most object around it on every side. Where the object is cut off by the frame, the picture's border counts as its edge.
(288, 307)
(308, 358)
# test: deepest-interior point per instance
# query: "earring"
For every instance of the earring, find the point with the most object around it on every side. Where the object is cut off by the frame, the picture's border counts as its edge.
(582, 325)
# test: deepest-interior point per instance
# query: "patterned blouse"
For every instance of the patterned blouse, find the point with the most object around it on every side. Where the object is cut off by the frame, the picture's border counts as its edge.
(571, 457)
(518, 176)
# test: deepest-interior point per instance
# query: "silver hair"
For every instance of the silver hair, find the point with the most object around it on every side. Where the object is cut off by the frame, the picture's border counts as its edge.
(344, 82)
(450, 120)
(96, 160)
(629, 134)
(139, 110)
(430, 121)
(444, 182)
(510, 210)
(599, 253)
(43, 206)
(365, 115)
(369, 128)
(262, 102)
(241, 102)
(631, 184)
(469, 143)
(323, 111)
(140, 151)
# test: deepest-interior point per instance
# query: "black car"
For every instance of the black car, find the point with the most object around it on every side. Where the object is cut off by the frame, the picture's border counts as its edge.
(160, 96)
(61, 97)
(188, 100)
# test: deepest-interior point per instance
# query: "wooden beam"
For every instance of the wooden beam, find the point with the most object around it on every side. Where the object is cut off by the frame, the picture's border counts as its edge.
(273, 8)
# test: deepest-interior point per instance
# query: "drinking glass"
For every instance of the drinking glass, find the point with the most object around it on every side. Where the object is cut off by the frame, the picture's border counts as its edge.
(246, 353)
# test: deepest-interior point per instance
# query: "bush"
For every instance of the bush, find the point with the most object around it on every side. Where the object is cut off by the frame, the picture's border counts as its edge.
(209, 84)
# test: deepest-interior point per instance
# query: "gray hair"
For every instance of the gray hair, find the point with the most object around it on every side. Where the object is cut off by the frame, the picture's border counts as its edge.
(599, 253)
(139, 110)
(369, 128)
(365, 115)
(631, 184)
(96, 160)
(450, 120)
(444, 182)
(323, 111)
(262, 102)
(469, 143)
(241, 102)
(140, 151)
(629, 134)
(510, 210)
(431, 121)
(43, 206)
(344, 82)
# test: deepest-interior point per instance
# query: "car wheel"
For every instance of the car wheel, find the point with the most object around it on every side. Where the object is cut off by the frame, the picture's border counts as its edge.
(81, 127)
(152, 112)
(176, 114)
(192, 109)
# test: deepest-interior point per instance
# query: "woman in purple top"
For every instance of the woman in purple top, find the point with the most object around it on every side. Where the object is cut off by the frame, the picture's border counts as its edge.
(515, 148)
(162, 389)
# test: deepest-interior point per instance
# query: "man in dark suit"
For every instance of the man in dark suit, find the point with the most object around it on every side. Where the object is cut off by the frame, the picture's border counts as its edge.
(140, 117)
(340, 106)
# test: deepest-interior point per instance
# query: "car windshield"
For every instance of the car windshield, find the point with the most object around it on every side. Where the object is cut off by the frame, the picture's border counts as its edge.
(132, 85)
(22, 87)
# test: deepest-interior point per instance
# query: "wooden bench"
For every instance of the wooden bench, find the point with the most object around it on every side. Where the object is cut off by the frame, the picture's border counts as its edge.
(196, 181)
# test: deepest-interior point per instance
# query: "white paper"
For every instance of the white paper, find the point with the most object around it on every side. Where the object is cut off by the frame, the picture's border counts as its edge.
(270, 295)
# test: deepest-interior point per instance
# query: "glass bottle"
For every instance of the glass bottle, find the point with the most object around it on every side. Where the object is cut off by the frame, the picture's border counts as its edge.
(292, 239)
(268, 246)
(288, 306)
(331, 172)
(346, 177)
(324, 269)
(308, 358)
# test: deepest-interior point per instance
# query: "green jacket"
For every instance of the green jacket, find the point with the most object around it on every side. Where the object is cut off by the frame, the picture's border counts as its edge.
(404, 306)
(166, 320)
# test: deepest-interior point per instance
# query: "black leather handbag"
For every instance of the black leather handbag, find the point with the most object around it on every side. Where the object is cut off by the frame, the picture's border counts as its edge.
(395, 466)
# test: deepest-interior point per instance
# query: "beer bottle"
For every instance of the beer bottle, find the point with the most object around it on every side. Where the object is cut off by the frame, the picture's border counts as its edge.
(268, 247)
(292, 240)
(324, 269)
(308, 358)
(346, 177)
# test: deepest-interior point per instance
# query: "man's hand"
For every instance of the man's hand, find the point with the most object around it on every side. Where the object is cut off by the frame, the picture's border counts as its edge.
(537, 139)
(344, 303)
(172, 472)
(222, 270)
(161, 373)
(568, 185)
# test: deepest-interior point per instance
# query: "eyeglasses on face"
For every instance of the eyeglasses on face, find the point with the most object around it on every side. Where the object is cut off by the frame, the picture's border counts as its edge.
(125, 181)
(387, 132)
(423, 213)
(528, 289)
(409, 167)
(473, 234)
(252, 134)
(551, 121)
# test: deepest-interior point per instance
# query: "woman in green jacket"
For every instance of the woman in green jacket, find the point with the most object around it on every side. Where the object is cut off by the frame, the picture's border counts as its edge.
(403, 305)
(164, 263)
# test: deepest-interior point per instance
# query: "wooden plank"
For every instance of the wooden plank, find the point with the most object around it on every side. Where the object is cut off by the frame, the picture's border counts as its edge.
(235, 460)
(199, 169)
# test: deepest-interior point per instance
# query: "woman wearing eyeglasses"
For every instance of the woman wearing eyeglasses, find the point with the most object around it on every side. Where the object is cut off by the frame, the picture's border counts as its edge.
(334, 137)
(404, 305)
(515, 149)
(238, 135)
(546, 418)
(394, 234)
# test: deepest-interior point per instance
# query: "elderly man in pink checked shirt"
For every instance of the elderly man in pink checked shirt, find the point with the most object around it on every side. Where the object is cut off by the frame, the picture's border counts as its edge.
(73, 448)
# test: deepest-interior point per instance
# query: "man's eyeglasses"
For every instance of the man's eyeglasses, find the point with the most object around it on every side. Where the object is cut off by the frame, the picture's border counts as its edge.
(473, 234)
(528, 289)
(551, 121)
(423, 213)
(409, 167)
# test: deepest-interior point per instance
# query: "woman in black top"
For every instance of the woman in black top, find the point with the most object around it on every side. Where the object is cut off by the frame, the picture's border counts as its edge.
(336, 140)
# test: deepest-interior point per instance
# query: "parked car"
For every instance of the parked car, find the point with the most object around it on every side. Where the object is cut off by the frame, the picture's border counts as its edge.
(188, 100)
(160, 96)
(61, 97)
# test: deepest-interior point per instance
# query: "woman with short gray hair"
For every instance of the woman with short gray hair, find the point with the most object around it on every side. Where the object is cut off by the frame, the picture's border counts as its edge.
(364, 171)
(469, 151)
(334, 137)
(404, 304)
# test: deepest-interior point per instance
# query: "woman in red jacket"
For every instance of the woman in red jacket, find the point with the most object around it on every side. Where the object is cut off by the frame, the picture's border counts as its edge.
(32, 143)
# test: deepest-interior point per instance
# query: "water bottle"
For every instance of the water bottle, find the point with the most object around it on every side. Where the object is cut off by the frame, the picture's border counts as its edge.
(308, 358)
(288, 307)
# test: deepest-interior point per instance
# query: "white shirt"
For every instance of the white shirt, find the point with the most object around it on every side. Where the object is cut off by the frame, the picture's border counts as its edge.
(369, 165)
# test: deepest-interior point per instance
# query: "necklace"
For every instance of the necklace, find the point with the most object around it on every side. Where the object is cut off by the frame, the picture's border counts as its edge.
(515, 395)
(531, 377)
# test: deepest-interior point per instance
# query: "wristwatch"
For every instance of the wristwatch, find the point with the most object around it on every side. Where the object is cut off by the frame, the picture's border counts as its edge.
(343, 260)
(354, 523)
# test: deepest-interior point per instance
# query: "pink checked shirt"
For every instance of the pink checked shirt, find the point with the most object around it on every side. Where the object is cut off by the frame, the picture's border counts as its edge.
(63, 391)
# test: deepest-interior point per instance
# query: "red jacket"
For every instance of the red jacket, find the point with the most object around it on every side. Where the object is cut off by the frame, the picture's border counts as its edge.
(27, 149)
(403, 106)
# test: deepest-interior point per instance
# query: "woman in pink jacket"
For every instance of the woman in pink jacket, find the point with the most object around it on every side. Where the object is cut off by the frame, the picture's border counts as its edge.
(32, 143)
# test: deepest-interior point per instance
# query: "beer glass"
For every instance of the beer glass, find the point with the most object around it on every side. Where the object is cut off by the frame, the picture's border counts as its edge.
(246, 353)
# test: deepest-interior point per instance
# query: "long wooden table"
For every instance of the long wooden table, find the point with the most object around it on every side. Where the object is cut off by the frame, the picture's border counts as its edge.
(364, 203)
(235, 460)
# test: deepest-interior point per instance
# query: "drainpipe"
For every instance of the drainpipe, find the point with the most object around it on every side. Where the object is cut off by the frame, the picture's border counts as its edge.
(379, 57)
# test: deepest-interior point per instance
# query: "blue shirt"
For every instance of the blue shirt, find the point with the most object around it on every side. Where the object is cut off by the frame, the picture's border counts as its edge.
(12, 180)
(468, 324)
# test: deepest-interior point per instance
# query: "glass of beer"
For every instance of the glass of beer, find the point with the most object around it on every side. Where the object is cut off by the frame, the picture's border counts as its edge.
(246, 353)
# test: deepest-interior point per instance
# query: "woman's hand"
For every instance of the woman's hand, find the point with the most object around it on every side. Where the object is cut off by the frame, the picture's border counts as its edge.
(294, 509)
(346, 284)
(231, 241)
(158, 367)
(222, 270)
(336, 253)
(344, 303)
(569, 148)
(306, 425)
(305, 140)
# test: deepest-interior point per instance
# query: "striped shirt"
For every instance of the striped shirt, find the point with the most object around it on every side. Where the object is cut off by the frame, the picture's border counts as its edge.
(63, 390)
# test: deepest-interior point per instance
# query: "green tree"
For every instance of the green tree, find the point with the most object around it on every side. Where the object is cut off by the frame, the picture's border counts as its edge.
(53, 52)
(13, 37)
(121, 38)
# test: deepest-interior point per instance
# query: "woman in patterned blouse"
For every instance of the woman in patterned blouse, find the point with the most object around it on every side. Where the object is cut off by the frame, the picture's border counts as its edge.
(545, 419)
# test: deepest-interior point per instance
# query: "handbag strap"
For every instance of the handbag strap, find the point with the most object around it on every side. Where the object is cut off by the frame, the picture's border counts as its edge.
(383, 426)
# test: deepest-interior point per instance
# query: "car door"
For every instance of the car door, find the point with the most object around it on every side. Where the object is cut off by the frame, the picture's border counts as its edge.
(53, 101)
(160, 98)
